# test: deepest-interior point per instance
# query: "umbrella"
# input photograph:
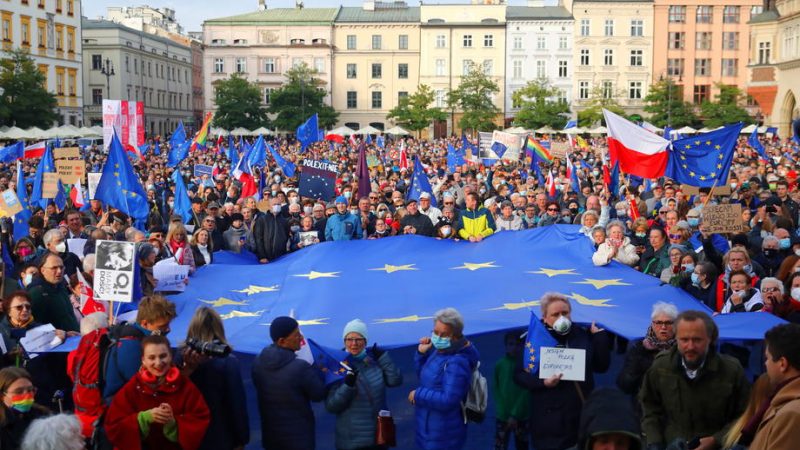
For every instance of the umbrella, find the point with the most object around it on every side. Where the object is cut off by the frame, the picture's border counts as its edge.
(598, 130)
(397, 131)
(368, 130)
(89, 132)
(342, 131)
(219, 132)
(574, 130)
(515, 130)
(261, 132)
(545, 130)
(14, 133)
(240, 132)
(35, 133)
(685, 130)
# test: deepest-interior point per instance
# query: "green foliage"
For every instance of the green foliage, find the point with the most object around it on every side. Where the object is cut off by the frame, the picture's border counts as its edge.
(539, 106)
(414, 112)
(666, 107)
(239, 105)
(474, 98)
(25, 101)
(299, 98)
(725, 109)
(593, 112)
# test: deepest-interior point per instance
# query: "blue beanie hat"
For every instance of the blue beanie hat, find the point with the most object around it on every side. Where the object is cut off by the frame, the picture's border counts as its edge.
(282, 327)
(341, 199)
(355, 326)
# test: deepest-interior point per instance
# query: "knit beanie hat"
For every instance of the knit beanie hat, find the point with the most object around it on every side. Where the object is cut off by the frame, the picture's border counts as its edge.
(282, 327)
(355, 326)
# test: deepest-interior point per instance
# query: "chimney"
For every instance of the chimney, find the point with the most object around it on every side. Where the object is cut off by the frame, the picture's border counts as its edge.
(262, 5)
(369, 5)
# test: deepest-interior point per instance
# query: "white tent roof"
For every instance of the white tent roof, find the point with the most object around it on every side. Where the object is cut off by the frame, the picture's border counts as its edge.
(515, 130)
(599, 130)
(545, 130)
(397, 131)
(89, 132)
(342, 131)
(36, 133)
(261, 132)
(749, 129)
(368, 130)
(15, 133)
(240, 132)
(573, 130)
(219, 132)
(685, 130)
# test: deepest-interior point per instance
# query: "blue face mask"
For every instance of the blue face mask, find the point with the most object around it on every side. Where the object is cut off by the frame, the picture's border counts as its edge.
(695, 279)
(440, 343)
(693, 221)
(785, 243)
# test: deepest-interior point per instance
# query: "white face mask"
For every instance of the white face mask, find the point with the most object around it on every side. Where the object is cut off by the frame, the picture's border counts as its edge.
(61, 247)
(276, 209)
(307, 210)
(445, 231)
(562, 325)
(796, 293)
(27, 280)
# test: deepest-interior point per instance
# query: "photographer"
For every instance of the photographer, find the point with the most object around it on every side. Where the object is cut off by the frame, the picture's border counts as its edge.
(219, 379)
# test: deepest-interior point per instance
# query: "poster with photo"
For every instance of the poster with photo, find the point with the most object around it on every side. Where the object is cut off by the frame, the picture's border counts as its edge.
(114, 271)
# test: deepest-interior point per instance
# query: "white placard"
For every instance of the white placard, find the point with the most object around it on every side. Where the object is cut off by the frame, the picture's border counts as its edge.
(40, 339)
(93, 180)
(308, 238)
(570, 362)
(114, 271)
(75, 246)
(170, 276)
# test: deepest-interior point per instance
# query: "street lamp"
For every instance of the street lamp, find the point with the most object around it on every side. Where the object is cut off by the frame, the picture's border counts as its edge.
(108, 70)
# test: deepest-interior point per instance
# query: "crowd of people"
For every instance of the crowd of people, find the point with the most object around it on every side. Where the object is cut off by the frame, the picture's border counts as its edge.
(678, 386)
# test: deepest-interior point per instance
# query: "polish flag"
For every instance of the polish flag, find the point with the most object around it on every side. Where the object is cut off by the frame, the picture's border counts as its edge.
(352, 139)
(76, 195)
(551, 185)
(638, 151)
(88, 304)
(403, 156)
(243, 173)
(35, 150)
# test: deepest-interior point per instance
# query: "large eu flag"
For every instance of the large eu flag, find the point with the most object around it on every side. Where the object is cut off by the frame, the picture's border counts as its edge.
(703, 160)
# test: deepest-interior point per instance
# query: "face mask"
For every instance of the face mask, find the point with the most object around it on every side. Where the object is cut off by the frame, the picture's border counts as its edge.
(22, 402)
(770, 252)
(785, 243)
(688, 267)
(293, 200)
(149, 187)
(694, 222)
(348, 194)
(479, 177)
(695, 279)
(308, 210)
(277, 178)
(276, 209)
(274, 193)
(573, 210)
(354, 212)
(641, 235)
(440, 343)
(24, 251)
(796, 293)
(61, 247)
(445, 231)
(595, 172)
(620, 212)
(28, 279)
(361, 355)
(733, 185)
(483, 191)
(562, 325)
(170, 204)
(295, 228)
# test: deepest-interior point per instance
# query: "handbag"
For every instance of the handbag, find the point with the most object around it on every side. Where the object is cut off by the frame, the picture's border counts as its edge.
(385, 432)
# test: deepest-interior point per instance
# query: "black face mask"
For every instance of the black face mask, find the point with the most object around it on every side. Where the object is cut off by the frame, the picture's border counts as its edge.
(770, 252)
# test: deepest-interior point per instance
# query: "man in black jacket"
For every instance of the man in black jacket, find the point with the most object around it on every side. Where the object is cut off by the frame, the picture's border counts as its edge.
(415, 222)
(271, 234)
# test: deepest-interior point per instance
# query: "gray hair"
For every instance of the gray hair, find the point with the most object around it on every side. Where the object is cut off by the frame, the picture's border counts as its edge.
(129, 233)
(451, 316)
(667, 309)
(587, 213)
(551, 297)
(772, 280)
(93, 321)
(59, 432)
(50, 235)
(134, 235)
(615, 223)
(597, 228)
(769, 240)
(89, 262)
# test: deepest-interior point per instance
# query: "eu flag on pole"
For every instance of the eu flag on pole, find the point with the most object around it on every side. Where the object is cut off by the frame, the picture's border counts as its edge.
(756, 144)
(571, 124)
(420, 183)
(537, 337)
(451, 159)
(379, 141)
(328, 361)
(258, 154)
(46, 165)
(287, 167)
(178, 136)
(21, 218)
(119, 187)
(182, 206)
(703, 160)
(499, 149)
(178, 153)
(308, 133)
(11, 153)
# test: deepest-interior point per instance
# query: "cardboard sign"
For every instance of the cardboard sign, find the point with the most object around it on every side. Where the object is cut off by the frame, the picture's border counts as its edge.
(373, 161)
(49, 185)
(67, 153)
(71, 171)
(569, 362)
(723, 218)
(114, 271)
(9, 203)
(93, 180)
(718, 190)
(169, 275)
(559, 149)
(513, 143)
(202, 169)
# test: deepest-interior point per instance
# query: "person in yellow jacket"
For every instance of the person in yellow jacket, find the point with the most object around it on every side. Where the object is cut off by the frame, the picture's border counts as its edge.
(475, 222)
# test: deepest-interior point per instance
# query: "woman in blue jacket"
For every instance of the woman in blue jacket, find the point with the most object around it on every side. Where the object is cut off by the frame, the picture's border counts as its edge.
(357, 400)
(444, 363)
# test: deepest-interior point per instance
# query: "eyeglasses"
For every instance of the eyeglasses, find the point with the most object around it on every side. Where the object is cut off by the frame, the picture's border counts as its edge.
(354, 340)
(663, 323)
(552, 209)
(26, 306)
(661, 213)
(675, 236)
(770, 289)
(23, 390)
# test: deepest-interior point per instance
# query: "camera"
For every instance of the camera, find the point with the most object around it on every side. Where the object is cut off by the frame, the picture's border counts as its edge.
(215, 348)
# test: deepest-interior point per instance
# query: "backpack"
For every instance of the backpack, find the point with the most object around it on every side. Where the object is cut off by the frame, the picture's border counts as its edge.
(477, 401)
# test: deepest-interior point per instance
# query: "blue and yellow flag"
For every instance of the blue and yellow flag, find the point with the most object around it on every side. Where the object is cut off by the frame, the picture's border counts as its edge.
(537, 337)
(703, 160)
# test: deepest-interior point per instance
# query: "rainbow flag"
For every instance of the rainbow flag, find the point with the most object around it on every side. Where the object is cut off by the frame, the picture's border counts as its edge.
(535, 148)
(201, 136)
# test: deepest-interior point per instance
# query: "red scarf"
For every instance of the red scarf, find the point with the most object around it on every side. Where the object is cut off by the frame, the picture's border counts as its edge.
(175, 246)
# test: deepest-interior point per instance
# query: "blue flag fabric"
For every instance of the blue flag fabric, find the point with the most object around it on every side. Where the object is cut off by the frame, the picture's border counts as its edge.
(178, 153)
(537, 337)
(499, 149)
(13, 152)
(756, 144)
(452, 163)
(668, 133)
(772, 130)
(380, 142)
(318, 180)
(21, 218)
(287, 167)
(178, 136)
(433, 273)
(328, 361)
(258, 153)
(46, 165)
(308, 132)
(796, 131)
(183, 205)
(119, 186)
(703, 160)
(571, 124)
(369, 139)
(144, 148)
(613, 186)
(420, 183)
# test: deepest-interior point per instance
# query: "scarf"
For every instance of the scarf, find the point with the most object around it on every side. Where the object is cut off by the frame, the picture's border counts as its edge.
(175, 246)
(651, 341)
(21, 325)
(750, 428)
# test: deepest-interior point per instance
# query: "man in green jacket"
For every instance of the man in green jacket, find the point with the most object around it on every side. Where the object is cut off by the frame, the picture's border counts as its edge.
(692, 393)
(50, 296)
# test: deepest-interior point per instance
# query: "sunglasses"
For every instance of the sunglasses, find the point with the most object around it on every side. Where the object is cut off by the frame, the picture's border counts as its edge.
(25, 306)
(552, 209)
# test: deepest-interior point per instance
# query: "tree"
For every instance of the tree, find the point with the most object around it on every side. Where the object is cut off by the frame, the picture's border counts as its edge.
(725, 108)
(299, 98)
(25, 101)
(414, 112)
(599, 100)
(474, 98)
(239, 104)
(540, 105)
(665, 104)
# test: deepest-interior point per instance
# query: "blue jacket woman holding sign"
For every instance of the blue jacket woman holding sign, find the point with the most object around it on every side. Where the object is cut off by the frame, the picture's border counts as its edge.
(555, 403)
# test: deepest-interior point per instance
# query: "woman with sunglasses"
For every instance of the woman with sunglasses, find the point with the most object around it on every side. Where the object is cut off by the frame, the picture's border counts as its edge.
(17, 409)
(17, 320)
(552, 215)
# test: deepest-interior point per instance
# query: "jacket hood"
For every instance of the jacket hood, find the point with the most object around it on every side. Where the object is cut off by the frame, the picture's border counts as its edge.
(608, 410)
(466, 348)
(274, 357)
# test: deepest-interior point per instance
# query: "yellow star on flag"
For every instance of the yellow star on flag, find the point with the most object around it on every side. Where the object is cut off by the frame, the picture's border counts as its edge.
(476, 266)
(222, 301)
(683, 157)
(252, 289)
(719, 166)
(691, 174)
(313, 275)
(712, 174)
(708, 142)
(685, 166)
(687, 146)
(717, 147)
(600, 284)
(696, 142)
(702, 177)
(388, 268)
(414, 318)
(555, 272)
(312, 322)
(721, 156)
(236, 313)
(515, 306)
(591, 302)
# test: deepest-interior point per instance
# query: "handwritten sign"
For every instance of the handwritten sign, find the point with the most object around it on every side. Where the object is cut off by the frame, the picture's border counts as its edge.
(559, 149)
(569, 362)
(202, 169)
(169, 275)
(93, 181)
(723, 218)
(71, 171)
(9, 203)
(49, 185)
(67, 153)
(717, 190)
(513, 143)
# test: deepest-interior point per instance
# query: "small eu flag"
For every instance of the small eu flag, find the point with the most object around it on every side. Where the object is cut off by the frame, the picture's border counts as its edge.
(537, 337)
(703, 160)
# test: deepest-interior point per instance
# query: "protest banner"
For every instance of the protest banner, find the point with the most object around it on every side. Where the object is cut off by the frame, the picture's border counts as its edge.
(559, 149)
(71, 171)
(9, 203)
(49, 185)
(318, 179)
(115, 266)
(716, 190)
(67, 153)
(373, 161)
(170, 275)
(513, 143)
(723, 218)
(203, 169)
(93, 180)
(569, 362)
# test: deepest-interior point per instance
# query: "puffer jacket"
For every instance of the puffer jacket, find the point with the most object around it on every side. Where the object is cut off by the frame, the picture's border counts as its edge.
(475, 222)
(444, 378)
(357, 407)
(343, 227)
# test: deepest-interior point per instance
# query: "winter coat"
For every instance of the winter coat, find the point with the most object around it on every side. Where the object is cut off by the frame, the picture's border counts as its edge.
(50, 303)
(676, 407)
(271, 236)
(510, 399)
(512, 224)
(751, 302)
(555, 412)
(357, 407)
(653, 262)
(420, 222)
(16, 424)
(343, 227)
(232, 239)
(475, 222)
(285, 386)
(124, 359)
(444, 380)
(778, 428)
(626, 254)
(199, 259)
(638, 360)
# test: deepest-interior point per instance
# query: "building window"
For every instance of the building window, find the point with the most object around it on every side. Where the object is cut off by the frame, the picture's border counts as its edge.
(517, 42)
(466, 66)
(700, 93)
(704, 14)
(583, 90)
(637, 57)
(562, 69)
(730, 40)
(730, 14)
(584, 56)
(377, 99)
(297, 62)
(675, 67)
(763, 52)
(402, 42)
(440, 41)
(607, 88)
(219, 65)
(585, 27)
(467, 40)
(541, 68)
(319, 65)
(268, 95)
(609, 27)
(541, 43)
(70, 7)
(702, 67)
(440, 68)
(516, 102)
(377, 70)
(269, 65)
(59, 81)
(637, 27)
(402, 71)
(352, 100)
(635, 90)
(241, 65)
(352, 72)
(440, 98)
(97, 62)
(756, 10)
(677, 14)
(608, 57)
(562, 42)
(376, 41)
(41, 33)
(488, 40)
(703, 40)
(97, 96)
(351, 41)
(677, 40)
(516, 68)
(730, 67)
(488, 67)
(127, 63)
(25, 30)
(402, 95)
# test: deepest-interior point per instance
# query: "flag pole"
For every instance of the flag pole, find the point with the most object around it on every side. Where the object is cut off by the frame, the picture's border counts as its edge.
(711, 192)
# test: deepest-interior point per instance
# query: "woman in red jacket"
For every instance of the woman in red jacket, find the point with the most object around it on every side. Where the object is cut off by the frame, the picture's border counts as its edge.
(159, 407)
